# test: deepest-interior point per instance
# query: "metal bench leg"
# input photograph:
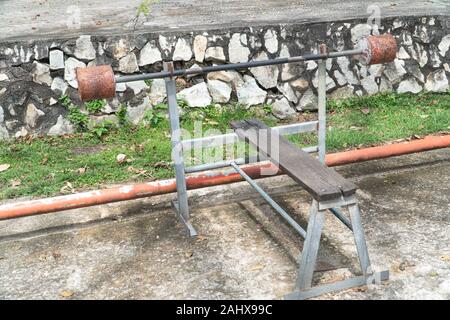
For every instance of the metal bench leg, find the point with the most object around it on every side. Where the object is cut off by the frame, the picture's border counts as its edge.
(303, 288)
(181, 206)
(310, 248)
(360, 240)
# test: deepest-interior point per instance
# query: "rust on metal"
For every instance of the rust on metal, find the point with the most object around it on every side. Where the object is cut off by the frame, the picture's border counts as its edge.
(323, 49)
(390, 150)
(96, 82)
(378, 49)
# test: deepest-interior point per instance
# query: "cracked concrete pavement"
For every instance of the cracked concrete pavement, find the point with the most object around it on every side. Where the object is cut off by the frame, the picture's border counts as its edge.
(138, 250)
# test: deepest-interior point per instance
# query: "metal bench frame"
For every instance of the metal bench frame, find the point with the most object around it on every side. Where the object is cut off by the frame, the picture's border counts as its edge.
(303, 288)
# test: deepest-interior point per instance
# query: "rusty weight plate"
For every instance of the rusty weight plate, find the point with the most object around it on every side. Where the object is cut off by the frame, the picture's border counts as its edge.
(96, 82)
(378, 49)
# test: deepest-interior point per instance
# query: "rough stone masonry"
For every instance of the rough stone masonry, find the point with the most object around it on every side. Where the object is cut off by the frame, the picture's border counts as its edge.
(35, 74)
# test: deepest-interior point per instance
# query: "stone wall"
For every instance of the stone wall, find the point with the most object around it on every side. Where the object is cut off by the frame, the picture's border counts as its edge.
(34, 74)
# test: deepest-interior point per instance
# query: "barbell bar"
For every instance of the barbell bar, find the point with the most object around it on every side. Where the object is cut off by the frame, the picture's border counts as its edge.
(99, 82)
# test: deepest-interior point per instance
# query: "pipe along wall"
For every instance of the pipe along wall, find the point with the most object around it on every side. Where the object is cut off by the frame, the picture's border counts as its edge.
(205, 179)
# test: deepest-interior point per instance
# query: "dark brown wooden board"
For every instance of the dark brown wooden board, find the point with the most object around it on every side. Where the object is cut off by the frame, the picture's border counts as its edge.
(321, 182)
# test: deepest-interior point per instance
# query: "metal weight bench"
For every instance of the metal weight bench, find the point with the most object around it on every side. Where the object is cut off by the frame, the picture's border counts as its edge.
(329, 190)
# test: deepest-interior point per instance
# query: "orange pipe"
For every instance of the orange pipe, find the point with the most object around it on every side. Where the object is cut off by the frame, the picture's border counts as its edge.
(203, 180)
(124, 193)
(389, 150)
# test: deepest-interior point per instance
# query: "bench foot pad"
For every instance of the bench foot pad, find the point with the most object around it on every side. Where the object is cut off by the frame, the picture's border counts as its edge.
(187, 225)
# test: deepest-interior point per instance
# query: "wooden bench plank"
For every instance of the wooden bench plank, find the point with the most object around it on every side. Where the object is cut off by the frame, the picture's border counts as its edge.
(315, 185)
(330, 175)
(321, 182)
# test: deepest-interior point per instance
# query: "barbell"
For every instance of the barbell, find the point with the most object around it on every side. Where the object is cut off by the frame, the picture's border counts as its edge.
(99, 82)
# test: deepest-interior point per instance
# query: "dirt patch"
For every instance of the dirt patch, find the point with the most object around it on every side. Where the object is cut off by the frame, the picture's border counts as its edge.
(89, 150)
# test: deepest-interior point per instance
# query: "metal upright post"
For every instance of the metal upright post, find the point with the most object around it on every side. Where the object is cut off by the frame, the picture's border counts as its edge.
(316, 218)
(322, 105)
(181, 206)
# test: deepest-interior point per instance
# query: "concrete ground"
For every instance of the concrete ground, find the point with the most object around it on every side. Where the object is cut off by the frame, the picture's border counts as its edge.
(138, 250)
(34, 19)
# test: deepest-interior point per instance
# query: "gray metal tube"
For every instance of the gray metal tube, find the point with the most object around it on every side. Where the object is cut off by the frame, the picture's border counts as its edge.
(270, 201)
(342, 218)
(322, 105)
(177, 149)
(234, 66)
(216, 165)
(239, 161)
(232, 138)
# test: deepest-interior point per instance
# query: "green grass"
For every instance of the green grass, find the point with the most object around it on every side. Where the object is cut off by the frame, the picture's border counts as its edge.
(44, 166)
(368, 121)
(373, 120)
(95, 106)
